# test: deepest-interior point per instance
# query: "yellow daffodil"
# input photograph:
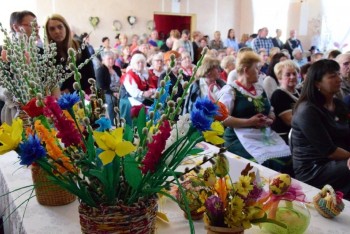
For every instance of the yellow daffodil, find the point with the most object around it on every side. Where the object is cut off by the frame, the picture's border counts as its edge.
(112, 143)
(212, 136)
(244, 185)
(10, 136)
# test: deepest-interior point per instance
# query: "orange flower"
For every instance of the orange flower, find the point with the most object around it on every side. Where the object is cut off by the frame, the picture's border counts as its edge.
(53, 150)
(221, 190)
(223, 112)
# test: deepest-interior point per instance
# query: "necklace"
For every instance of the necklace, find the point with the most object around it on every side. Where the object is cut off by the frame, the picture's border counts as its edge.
(250, 90)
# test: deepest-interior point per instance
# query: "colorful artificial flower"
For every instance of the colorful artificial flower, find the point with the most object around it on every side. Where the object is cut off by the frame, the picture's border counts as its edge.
(212, 136)
(104, 124)
(66, 128)
(155, 148)
(209, 108)
(223, 112)
(68, 100)
(215, 210)
(31, 150)
(200, 121)
(32, 109)
(112, 144)
(10, 136)
(135, 110)
(221, 166)
(244, 186)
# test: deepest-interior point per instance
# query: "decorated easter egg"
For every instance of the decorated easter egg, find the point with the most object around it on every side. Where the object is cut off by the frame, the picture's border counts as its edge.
(280, 184)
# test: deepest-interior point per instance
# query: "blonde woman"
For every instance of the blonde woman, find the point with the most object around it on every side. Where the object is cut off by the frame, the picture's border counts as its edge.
(227, 64)
(58, 31)
(248, 132)
(208, 83)
(284, 98)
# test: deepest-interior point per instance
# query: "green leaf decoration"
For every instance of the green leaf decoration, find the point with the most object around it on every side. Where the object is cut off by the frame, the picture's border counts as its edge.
(128, 134)
(141, 123)
(132, 172)
(195, 151)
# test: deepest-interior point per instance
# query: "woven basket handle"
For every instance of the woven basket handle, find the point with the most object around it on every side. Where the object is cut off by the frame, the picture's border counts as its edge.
(328, 189)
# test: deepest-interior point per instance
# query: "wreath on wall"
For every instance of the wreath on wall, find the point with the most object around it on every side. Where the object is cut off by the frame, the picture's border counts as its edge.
(94, 21)
(117, 25)
(150, 25)
(131, 20)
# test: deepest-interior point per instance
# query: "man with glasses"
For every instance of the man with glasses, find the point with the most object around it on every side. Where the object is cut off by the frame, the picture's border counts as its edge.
(20, 22)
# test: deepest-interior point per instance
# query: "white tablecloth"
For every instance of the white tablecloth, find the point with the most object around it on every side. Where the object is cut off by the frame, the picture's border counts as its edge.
(65, 220)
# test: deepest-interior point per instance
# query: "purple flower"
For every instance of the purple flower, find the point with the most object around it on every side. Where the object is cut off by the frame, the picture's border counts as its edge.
(31, 150)
(215, 210)
(67, 100)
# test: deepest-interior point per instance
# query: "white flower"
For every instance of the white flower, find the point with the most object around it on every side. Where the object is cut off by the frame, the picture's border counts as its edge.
(179, 130)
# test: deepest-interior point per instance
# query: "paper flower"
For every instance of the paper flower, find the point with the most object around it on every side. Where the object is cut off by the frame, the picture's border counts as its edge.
(68, 100)
(10, 136)
(32, 109)
(31, 150)
(104, 124)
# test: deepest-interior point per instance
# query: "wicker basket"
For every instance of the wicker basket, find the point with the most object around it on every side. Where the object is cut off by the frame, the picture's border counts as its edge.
(138, 219)
(27, 121)
(48, 193)
(328, 203)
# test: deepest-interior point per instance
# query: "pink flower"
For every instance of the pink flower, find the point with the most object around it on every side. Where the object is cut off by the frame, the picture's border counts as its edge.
(155, 148)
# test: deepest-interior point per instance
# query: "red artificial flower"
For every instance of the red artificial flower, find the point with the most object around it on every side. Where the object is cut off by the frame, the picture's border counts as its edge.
(32, 109)
(135, 110)
(66, 128)
(155, 148)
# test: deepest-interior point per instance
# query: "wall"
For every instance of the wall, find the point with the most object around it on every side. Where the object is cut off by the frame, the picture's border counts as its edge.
(211, 15)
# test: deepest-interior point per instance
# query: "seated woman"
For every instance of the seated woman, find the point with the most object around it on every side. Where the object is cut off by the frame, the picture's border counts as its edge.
(248, 132)
(135, 89)
(207, 85)
(320, 139)
(227, 65)
(108, 79)
(58, 31)
(186, 65)
(270, 83)
(284, 98)
(156, 69)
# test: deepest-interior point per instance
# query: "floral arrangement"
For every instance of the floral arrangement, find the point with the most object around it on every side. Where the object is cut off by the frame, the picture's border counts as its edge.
(226, 203)
(105, 165)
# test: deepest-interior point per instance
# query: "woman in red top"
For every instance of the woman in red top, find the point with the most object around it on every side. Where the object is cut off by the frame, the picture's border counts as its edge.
(155, 70)
(227, 64)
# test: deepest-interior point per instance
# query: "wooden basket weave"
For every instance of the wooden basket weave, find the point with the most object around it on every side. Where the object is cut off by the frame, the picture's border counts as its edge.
(48, 193)
(328, 203)
(139, 219)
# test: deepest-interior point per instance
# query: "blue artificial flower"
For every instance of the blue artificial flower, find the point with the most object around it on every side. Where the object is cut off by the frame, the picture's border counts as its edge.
(104, 123)
(31, 150)
(67, 100)
(209, 108)
(200, 121)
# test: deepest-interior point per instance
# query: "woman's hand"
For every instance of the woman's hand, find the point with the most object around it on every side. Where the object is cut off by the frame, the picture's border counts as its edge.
(147, 93)
(258, 121)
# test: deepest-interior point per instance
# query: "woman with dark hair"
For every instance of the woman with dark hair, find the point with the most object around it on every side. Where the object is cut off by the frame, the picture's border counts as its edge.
(58, 31)
(271, 83)
(231, 40)
(320, 139)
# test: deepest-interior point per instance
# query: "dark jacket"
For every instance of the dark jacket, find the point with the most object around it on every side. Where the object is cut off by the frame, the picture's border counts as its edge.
(103, 78)
(87, 71)
(194, 93)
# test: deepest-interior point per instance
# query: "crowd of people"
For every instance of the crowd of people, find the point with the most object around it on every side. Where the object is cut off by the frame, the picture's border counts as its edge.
(288, 108)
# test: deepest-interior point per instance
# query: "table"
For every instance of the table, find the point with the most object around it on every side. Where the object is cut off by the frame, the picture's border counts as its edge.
(65, 220)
